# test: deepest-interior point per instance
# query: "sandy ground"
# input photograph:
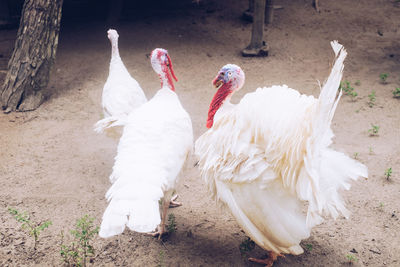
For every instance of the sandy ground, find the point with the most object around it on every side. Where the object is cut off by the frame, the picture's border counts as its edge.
(54, 166)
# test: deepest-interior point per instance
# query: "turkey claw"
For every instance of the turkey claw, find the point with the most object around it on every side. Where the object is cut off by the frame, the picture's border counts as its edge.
(159, 233)
(173, 203)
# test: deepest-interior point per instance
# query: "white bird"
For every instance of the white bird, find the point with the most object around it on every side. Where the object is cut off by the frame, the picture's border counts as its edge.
(121, 92)
(267, 156)
(156, 141)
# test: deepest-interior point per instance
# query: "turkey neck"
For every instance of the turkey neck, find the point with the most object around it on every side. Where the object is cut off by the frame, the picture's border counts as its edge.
(166, 79)
(223, 94)
(114, 49)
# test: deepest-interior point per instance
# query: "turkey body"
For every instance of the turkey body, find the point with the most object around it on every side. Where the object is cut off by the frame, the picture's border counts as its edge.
(269, 156)
(156, 140)
(121, 92)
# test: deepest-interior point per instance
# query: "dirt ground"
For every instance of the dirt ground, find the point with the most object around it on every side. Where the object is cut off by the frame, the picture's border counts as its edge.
(56, 167)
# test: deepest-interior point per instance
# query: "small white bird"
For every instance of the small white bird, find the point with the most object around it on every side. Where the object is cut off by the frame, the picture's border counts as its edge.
(121, 92)
(156, 141)
(268, 155)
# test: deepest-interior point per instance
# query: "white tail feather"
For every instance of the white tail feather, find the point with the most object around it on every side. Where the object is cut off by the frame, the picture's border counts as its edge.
(336, 172)
(329, 170)
(327, 101)
(139, 215)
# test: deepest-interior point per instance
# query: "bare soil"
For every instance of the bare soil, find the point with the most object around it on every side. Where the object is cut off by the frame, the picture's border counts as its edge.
(56, 167)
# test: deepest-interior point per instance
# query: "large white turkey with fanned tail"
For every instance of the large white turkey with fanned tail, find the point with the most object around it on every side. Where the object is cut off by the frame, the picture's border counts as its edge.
(121, 92)
(268, 155)
(156, 141)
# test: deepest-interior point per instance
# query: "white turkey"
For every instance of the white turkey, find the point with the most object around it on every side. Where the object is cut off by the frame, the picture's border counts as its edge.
(157, 138)
(267, 156)
(121, 92)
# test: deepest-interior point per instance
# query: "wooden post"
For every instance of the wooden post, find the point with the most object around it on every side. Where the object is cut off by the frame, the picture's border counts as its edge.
(269, 12)
(257, 46)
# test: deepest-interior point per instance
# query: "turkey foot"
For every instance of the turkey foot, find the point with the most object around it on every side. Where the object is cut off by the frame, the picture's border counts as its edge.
(173, 203)
(159, 233)
(272, 257)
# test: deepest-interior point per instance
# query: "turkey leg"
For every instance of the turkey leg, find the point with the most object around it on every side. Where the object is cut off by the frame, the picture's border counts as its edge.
(161, 228)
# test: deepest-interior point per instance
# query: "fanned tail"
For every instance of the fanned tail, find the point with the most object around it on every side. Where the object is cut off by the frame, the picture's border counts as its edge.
(326, 171)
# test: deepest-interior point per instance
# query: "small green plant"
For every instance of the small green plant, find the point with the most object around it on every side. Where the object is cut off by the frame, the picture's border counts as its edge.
(351, 258)
(69, 253)
(76, 253)
(381, 205)
(374, 130)
(383, 77)
(388, 173)
(171, 227)
(358, 83)
(345, 86)
(355, 155)
(348, 90)
(353, 95)
(396, 92)
(246, 246)
(33, 228)
(161, 256)
(309, 247)
(371, 151)
(372, 99)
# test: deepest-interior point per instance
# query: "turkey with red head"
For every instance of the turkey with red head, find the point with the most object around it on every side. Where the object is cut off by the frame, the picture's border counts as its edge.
(270, 154)
(157, 139)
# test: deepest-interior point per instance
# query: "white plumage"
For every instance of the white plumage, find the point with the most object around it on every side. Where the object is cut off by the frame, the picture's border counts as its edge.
(156, 141)
(268, 155)
(121, 92)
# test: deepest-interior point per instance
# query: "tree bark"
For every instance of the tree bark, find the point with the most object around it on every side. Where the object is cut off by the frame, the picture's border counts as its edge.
(34, 54)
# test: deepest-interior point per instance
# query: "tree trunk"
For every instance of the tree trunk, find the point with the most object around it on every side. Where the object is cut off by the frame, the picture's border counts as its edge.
(33, 55)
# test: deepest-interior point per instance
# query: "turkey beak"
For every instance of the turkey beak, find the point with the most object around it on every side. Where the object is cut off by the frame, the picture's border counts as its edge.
(218, 81)
(171, 69)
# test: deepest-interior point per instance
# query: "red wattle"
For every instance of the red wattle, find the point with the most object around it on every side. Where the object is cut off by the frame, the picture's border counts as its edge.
(223, 92)
(171, 68)
(169, 78)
